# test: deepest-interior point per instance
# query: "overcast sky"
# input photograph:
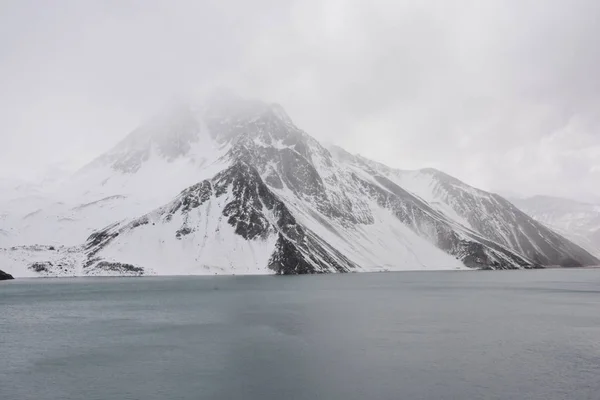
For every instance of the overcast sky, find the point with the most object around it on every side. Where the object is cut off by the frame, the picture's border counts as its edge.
(504, 94)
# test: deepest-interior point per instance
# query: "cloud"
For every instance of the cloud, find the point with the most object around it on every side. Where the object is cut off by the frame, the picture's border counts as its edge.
(502, 94)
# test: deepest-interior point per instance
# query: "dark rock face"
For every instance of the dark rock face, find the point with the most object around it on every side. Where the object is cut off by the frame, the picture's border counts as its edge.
(41, 267)
(288, 260)
(193, 197)
(4, 276)
(251, 196)
(97, 240)
(119, 268)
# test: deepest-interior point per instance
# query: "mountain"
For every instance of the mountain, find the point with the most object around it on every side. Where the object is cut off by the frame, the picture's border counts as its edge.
(578, 221)
(234, 186)
(492, 216)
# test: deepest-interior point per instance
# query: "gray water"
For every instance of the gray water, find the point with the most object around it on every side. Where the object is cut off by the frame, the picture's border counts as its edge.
(436, 335)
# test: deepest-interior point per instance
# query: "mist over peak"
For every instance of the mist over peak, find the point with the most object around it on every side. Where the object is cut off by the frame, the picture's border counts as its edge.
(475, 91)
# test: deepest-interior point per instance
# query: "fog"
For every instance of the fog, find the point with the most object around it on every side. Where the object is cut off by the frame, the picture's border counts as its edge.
(504, 94)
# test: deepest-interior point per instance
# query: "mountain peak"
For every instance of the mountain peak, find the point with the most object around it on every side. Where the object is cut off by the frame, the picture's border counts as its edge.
(184, 128)
(170, 133)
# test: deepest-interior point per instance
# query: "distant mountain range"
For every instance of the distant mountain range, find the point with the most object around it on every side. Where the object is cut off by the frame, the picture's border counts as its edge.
(577, 221)
(232, 186)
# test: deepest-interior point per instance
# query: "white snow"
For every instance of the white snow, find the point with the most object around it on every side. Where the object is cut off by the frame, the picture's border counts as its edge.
(96, 197)
(425, 186)
(213, 248)
(60, 260)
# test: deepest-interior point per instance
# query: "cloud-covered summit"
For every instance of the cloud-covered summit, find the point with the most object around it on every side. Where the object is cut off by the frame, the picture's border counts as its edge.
(501, 94)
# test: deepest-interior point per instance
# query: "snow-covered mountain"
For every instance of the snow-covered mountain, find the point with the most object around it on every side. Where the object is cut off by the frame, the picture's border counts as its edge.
(147, 169)
(233, 186)
(490, 215)
(578, 221)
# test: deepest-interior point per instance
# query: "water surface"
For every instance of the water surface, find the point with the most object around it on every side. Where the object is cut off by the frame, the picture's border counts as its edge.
(428, 335)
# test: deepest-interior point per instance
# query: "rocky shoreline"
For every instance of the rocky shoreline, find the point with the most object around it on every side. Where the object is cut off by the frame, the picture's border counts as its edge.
(4, 276)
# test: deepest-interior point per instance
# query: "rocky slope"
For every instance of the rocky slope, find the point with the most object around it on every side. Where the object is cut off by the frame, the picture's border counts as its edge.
(495, 218)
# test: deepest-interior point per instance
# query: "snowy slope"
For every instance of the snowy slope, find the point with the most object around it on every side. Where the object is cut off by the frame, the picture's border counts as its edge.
(487, 214)
(147, 169)
(233, 186)
(496, 218)
(578, 221)
(42, 260)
